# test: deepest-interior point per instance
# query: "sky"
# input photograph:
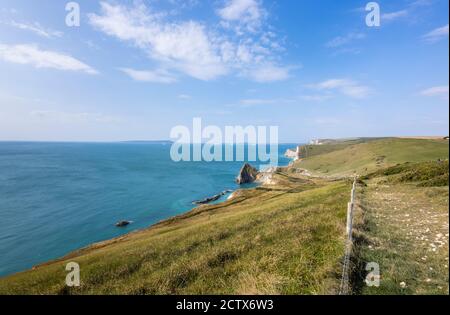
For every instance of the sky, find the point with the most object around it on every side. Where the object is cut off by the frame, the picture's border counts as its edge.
(133, 70)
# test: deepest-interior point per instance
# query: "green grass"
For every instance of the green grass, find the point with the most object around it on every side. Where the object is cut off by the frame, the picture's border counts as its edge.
(424, 174)
(402, 224)
(287, 239)
(307, 151)
(367, 156)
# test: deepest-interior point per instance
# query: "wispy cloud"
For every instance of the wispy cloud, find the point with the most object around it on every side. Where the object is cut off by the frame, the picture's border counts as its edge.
(344, 40)
(421, 3)
(36, 28)
(343, 86)
(191, 48)
(437, 91)
(156, 76)
(242, 14)
(33, 55)
(184, 46)
(184, 4)
(184, 97)
(268, 73)
(436, 34)
(394, 15)
(316, 97)
(411, 10)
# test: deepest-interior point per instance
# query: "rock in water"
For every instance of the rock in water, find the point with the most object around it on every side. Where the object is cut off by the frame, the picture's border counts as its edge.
(211, 199)
(247, 174)
(207, 200)
(122, 223)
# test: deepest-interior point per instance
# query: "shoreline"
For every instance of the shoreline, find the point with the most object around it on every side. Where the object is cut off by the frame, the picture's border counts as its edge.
(195, 210)
(289, 213)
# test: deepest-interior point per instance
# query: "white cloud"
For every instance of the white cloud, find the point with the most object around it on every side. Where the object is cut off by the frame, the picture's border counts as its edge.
(156, 76)
(316, 97)
(184, 97)
(268, 73)
(236, 10)
(437, 91)
(436, 34)
(184, 4)
(247, 14)
(344, 86)
(394, 15)
(421, 3)
(36, 28)
(184, 46)
(32, 55)
(189, 47)
(344, 40)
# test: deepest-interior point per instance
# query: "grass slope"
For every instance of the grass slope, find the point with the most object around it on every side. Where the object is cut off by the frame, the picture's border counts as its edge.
(403, 226)
(286, 239)
(368, 155)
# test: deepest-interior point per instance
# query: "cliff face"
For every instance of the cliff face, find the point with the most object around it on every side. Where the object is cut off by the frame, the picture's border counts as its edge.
(290, 154)
(293, 154)
(266, 176)
(247, 174)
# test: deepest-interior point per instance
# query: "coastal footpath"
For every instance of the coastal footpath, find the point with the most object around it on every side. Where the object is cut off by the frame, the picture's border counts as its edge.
(286, 236)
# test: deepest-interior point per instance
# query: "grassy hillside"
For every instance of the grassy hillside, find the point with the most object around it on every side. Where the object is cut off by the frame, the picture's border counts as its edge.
(424, 174)
(286, 239)
(310, 150)
(403, 226)
(368, 155)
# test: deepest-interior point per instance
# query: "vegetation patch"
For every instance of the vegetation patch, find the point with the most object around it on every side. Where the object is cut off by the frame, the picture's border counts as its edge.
(403, 227)
(370, 155)
(287, 237)
(283, 239)
(424, 174)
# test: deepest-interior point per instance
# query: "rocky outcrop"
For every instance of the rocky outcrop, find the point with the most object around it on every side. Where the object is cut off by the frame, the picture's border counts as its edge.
(290, 153)
(211, 199)
(293, 153)
(122, 223)
(247, 174)
(266, 176)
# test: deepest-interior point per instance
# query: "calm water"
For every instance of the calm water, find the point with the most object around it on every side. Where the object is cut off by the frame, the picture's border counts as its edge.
(58, 197)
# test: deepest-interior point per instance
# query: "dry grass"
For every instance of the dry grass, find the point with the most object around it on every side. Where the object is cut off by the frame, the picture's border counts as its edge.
(404, 228)
(286, 238)
(283, 239)
(370, 155)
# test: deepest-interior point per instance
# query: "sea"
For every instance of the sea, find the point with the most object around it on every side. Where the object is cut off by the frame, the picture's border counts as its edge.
(59, 197)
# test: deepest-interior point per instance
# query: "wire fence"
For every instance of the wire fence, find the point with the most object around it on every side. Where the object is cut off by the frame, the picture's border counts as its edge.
(344, 287)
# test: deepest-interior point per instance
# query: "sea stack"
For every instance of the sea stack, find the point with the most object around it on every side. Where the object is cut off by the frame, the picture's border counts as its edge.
(247, 174)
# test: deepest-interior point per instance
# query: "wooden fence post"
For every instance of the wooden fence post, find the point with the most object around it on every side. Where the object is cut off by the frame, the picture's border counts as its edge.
(349, 219)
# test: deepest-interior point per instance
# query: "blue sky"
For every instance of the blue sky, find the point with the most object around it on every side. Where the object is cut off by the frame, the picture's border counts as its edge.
(135, 69)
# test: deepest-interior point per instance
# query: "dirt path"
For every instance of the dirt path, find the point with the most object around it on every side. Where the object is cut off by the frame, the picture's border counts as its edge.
(405, 230)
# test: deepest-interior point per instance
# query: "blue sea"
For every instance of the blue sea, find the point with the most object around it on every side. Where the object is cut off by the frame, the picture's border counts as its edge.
(59, 197)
